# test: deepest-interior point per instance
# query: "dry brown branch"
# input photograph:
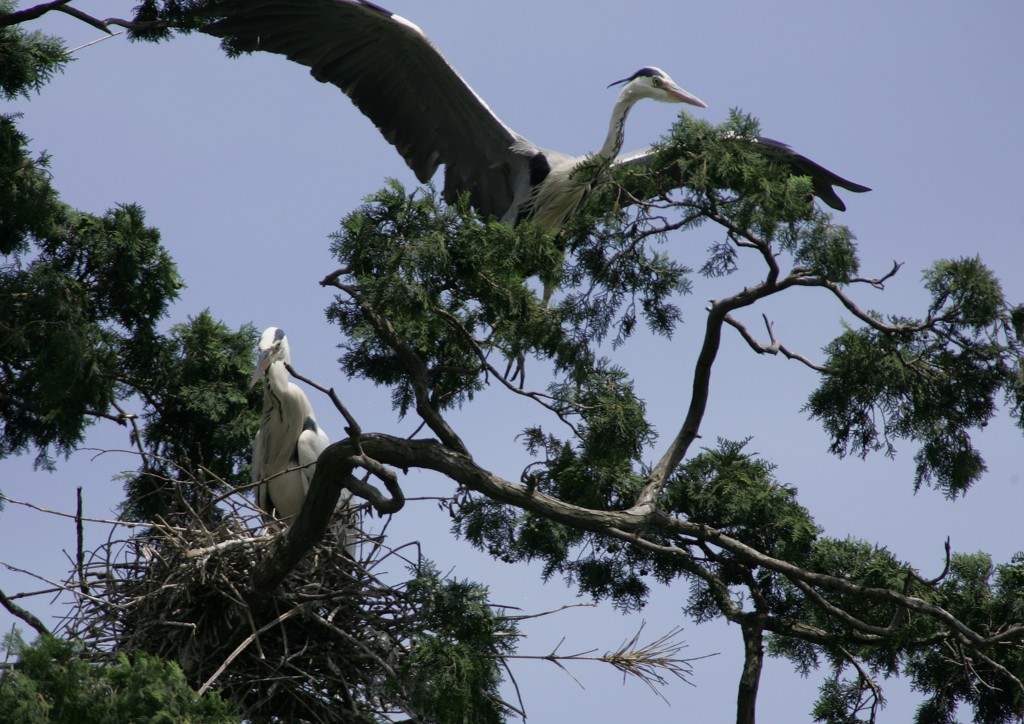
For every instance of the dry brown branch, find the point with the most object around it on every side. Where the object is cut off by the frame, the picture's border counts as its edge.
(774, 347)
(527, 616)
(879, 282)
(26, 616)
(650, 663)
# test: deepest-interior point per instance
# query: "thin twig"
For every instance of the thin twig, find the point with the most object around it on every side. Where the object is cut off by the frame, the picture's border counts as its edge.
(354, 430)
(527, 616)
(242, 646)
(94, 42)
(26, 616)
(73, 516)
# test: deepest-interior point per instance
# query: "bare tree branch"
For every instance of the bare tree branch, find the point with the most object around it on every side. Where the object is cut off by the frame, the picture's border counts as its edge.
(775, 347)
(37, 11)
(879, 282)
(717, 313)
(26, 616)
(21, 16)
(876, 690)
(41, 509)
(88, 19)
(859, 313)
(745, 237)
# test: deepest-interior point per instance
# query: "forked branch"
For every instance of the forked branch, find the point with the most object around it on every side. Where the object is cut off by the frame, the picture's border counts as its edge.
(774, 347)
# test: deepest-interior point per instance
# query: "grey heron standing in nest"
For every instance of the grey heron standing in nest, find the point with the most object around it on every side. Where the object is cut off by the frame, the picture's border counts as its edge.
(392, 72)
(289, 440)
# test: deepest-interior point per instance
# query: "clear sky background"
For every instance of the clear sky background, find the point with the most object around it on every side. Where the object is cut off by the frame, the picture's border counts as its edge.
(246, 166)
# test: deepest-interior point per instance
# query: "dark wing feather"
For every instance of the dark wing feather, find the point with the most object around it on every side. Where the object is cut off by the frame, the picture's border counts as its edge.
(397, 78)
(821, 178)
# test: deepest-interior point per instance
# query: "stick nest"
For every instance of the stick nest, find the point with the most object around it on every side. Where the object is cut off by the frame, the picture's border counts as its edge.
(324, 646)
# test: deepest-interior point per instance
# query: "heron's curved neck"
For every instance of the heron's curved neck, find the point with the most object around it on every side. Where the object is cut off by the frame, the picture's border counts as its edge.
(277, 376)
(617, 126)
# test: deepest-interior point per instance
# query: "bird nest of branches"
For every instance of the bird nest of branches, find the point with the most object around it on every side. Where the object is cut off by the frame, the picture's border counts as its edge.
(323, 646)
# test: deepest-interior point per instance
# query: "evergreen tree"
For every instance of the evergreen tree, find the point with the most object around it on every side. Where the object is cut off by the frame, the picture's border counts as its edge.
(438, 305)
(53, 683)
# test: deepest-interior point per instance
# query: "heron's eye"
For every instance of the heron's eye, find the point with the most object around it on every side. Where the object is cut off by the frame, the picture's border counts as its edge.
(657, 81)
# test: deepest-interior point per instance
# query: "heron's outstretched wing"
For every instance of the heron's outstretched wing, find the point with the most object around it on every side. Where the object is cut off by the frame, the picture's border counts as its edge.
(394, 75)
(822, 179)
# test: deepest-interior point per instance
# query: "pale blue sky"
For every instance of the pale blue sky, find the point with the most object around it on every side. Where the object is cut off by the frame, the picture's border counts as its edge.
(246, 166)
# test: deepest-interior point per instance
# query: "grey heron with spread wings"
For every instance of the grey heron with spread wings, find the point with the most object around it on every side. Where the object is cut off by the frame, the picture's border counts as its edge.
(392, 72)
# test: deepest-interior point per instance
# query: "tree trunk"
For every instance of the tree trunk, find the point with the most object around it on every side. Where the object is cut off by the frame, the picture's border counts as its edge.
(753, 657)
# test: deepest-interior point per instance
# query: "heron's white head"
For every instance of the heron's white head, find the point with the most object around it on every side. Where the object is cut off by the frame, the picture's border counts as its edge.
(655, 83)
(272, 347)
